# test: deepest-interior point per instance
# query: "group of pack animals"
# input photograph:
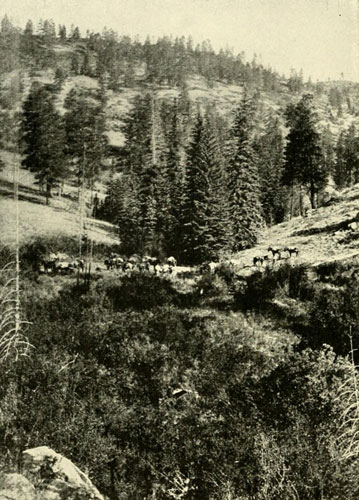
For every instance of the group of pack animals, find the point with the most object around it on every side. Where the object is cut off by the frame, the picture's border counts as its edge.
(57, 263)
(61, 264)
(276, 254)
(138, 263)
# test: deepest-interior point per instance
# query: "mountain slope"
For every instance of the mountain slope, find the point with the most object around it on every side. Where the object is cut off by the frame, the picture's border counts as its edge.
(329, 233)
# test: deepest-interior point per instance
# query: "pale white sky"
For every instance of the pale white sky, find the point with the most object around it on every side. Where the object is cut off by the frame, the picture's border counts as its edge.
(319, 36)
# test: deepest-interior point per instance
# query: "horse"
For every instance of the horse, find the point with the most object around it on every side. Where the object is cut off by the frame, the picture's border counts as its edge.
(258, 259)
(275, 251)
(292, 251)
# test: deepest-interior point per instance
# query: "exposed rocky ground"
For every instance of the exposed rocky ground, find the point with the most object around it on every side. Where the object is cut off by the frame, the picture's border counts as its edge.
(47, 475)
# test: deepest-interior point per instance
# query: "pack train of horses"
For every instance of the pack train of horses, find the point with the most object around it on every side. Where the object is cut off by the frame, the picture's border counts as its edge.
(138, 263)
(62, 264)
(275, 253)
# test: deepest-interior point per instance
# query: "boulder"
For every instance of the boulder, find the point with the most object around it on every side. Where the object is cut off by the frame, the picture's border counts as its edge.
(353, 226)
(56, 477)
(15, 487)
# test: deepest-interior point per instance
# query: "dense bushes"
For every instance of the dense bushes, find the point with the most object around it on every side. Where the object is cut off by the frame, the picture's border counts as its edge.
(334, 317)
(140, 290)
(145, 393)
(262, 287)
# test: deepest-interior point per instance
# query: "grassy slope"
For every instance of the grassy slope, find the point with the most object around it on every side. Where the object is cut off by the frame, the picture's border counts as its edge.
(321, 237)
(37, 219)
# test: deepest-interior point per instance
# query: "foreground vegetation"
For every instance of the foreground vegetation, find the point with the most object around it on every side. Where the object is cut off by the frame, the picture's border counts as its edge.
(158, 387)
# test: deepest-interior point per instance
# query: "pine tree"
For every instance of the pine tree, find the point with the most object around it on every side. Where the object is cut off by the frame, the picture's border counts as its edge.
(28, 43)
(351, 156)
(121, 207)
(86, 141)
(43, 138)
(303, 154)
(62, 33)
(144, 159)
(244, 189)
(75, 34)
(339, 168)
(328, 150)
(204, 223)
(270, 153)
(175, 175)
(9, 46)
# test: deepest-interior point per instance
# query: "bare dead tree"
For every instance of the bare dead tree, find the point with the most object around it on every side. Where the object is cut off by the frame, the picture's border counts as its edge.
(348, 399)
(13, 342)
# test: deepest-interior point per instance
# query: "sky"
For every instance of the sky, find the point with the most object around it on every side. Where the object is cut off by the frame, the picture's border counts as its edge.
(321, 37)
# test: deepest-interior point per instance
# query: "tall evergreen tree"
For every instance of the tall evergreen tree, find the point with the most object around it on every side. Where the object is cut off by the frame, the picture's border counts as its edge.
(270, 154)
(86, 141)
(122, 208)
(204, 223)
(28, 44)
(175, 175)
(43, 138)
(351, 156)
(9, 46)
(304, 158)
(144, 159)
(340, 170)
(328, 149)
(244, 188)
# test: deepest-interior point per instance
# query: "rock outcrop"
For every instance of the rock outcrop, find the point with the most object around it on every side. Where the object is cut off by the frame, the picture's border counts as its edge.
(15, 487)
(47, 475)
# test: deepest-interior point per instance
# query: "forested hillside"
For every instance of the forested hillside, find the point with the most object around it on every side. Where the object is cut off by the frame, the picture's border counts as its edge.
(194, 146)
(230, 374)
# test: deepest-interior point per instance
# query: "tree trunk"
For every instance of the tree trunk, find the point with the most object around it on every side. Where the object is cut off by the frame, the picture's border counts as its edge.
(312, 194)
(292, 202)
(48, 192)
(301, 208)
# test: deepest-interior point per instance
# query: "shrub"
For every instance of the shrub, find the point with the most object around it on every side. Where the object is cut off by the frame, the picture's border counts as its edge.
(212, 285)
(140, 291)
(262, 288)
(226, 271)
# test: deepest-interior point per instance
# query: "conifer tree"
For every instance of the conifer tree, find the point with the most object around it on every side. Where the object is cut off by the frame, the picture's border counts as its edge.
(43, 138)
(144, 159)
(270, 154)
(175, 175)
(340, 173)
(304, 158)
(122, 207)
(86, 141)
(9, 46)
(328, 149)
(28, 43)
(62, 33)
(204, 222)
(244, 189)
(349, 156)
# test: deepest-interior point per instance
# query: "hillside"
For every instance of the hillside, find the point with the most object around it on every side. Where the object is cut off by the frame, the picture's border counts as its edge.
(114, 71)
(37, 219)
(323, 236)
(224, 96)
